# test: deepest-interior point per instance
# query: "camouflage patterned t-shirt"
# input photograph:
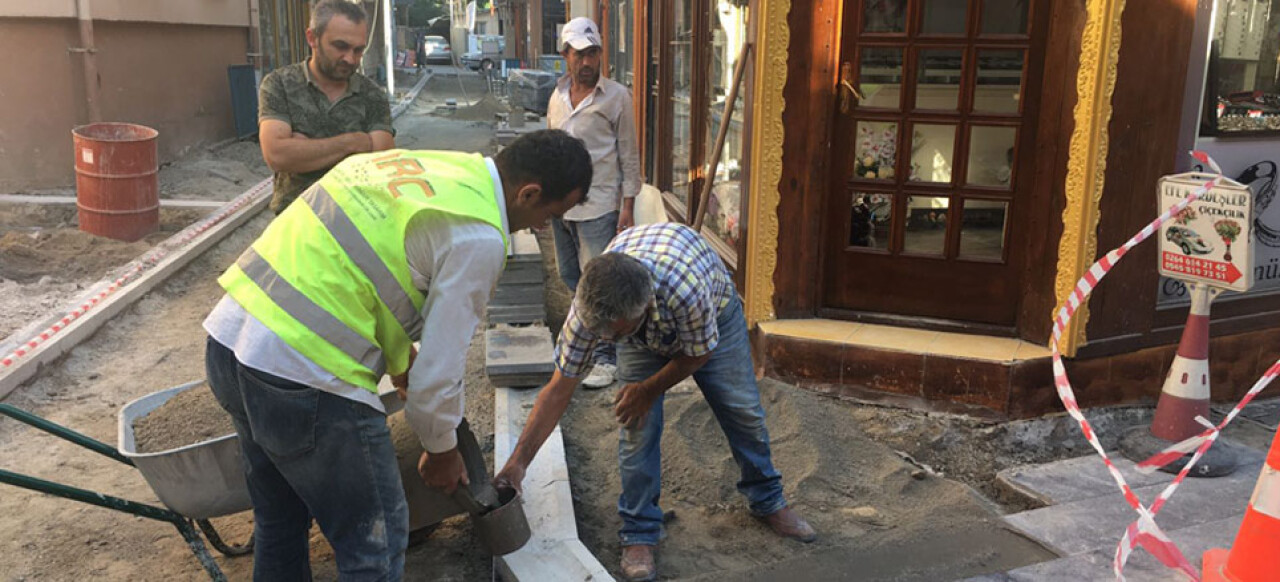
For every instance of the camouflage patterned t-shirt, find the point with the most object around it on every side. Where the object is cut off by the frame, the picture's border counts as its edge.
(289, 95)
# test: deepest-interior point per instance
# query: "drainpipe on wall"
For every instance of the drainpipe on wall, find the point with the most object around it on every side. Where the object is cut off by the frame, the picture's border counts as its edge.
(90, 60)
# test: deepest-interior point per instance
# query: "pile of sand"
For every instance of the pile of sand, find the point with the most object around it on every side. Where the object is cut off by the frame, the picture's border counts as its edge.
(877, 516)
(486, 109)
(190, 417)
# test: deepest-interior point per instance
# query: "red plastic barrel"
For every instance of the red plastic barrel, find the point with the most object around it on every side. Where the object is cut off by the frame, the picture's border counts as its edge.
(117, 190)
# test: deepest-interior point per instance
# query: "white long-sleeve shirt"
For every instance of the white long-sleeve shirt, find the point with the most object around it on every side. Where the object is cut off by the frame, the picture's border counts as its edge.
(456, 262)
(605, 121)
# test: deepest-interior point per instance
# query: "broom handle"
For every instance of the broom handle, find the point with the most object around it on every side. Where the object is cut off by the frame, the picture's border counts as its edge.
(705, 196)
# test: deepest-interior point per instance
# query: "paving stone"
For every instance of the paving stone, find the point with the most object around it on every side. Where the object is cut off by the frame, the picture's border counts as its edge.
(1142, 567)
(526, 272)
(519, 356)
(1265, 412)
(1086, 477)
(525, 243)
(1075, 479)
(517, 314)
(1078, 527)
(519, 294)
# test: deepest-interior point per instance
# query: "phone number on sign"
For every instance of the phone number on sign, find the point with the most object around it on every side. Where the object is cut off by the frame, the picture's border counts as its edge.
(1215, 270)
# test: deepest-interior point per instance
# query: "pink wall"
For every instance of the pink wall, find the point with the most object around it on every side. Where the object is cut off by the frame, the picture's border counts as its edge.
(166, 76)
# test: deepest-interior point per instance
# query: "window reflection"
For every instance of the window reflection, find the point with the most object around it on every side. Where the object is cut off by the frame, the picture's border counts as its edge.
(880, 79)
(944, 17)
(728, 35)
(982, 229)
(620, 42)
(869, 220)
(991, 155)
(1243, 78)
(926, 228)
(884, 16)
(877, 150)
(1004, 16)
(932, 151)
(682, 85)
(939, 75)
(999, 81)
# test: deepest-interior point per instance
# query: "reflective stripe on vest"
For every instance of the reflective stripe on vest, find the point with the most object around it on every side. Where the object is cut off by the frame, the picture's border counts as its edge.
(362, 254)
(330, 276)
(308, 313)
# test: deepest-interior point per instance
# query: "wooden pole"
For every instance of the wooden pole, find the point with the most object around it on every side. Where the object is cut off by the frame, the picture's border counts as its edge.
(725, 120)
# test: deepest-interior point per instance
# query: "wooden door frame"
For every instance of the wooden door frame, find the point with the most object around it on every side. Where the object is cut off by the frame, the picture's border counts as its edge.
(824, 50)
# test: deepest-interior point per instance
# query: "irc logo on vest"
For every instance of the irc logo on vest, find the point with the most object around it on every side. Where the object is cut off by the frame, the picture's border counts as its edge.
(401, 172)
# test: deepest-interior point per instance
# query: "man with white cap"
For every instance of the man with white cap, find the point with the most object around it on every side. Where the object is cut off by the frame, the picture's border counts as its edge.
(598, 111)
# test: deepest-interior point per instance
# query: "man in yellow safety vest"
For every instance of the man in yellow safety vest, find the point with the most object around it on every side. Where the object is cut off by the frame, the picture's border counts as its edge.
(386, 248)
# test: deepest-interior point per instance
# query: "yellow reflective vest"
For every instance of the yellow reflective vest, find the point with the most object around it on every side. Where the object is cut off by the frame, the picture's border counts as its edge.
(330, 277)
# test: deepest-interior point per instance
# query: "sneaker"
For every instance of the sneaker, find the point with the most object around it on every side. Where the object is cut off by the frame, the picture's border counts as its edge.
(601, 375)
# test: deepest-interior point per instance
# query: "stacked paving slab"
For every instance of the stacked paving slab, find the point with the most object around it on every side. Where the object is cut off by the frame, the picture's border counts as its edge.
(518, 348)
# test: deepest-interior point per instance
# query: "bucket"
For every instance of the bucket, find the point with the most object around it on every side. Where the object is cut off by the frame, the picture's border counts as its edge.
(117, 190)
(504, 529)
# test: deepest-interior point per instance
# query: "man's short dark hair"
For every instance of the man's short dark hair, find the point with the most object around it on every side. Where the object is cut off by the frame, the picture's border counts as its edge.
(551, 158)
(324, 10)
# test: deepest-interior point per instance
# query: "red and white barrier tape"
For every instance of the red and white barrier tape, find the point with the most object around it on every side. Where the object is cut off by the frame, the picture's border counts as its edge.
(138, 267)
(1144, 532)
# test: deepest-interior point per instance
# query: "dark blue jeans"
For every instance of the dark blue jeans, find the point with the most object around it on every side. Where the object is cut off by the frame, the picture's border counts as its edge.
(577, 242)
(308, 453)
(728, 382)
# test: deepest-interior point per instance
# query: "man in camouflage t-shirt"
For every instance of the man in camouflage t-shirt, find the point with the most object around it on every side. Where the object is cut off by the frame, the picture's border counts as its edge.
(313, 114)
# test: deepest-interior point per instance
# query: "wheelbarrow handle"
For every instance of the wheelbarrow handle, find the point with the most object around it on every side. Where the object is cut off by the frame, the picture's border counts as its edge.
(63, 432)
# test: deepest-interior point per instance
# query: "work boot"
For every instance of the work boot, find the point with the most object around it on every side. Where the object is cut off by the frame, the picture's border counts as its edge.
(789, 524)
(637, 564)
(601, 375)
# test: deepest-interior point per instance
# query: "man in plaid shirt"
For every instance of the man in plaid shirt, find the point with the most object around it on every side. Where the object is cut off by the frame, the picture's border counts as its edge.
(663, 295)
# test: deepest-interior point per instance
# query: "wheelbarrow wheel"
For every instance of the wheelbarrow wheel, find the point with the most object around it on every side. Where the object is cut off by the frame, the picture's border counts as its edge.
(215, 540)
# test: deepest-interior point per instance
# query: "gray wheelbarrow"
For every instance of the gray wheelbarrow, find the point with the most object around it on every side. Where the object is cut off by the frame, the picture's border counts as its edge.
(185, 512)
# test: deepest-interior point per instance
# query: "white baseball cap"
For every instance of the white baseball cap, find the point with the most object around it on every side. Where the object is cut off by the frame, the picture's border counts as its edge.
(580, 33)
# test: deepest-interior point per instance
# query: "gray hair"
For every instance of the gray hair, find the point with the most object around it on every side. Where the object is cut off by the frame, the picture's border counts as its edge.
(613, 287)
(324, 10)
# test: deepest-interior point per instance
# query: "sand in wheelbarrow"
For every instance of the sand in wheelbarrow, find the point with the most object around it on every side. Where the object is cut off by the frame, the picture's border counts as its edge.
(190, 417)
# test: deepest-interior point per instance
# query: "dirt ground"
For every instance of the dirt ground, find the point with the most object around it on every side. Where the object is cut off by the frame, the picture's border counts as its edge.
(46, 261)
(156, 344)
(879, 515)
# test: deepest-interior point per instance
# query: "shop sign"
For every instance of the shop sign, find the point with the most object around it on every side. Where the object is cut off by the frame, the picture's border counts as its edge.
(1209, 241)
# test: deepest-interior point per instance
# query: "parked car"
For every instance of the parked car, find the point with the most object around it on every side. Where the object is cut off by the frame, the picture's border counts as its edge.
(438, 51)
(1188, 240)
(488, 56)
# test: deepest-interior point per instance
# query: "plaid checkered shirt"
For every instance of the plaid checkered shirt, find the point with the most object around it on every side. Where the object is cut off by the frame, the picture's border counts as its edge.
(690, 287)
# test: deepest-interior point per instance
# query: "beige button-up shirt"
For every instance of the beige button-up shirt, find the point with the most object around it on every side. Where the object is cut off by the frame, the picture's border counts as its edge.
(605, 121)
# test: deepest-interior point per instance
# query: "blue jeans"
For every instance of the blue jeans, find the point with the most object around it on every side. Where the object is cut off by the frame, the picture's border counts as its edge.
(308, 453)
(728, 382)
(577, 242)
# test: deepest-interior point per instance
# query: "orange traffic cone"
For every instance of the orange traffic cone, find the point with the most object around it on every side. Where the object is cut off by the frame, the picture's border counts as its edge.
(1254, 556)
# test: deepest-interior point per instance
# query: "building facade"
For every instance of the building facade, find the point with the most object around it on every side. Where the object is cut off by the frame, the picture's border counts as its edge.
(910, 187)
(159, 64)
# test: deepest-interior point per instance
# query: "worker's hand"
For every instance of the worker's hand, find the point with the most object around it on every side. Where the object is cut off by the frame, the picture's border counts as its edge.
(626, 218)
(510, 477)
(443, 470)
(632, 404)
(401, 381)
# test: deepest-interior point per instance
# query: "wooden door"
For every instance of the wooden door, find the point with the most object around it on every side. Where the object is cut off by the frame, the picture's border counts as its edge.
(931, 159)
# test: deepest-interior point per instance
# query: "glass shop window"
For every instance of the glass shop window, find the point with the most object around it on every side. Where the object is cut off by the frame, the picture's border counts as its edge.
(1242, 83)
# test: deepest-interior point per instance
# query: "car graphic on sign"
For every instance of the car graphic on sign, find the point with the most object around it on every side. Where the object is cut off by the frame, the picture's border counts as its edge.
(1188, 240)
